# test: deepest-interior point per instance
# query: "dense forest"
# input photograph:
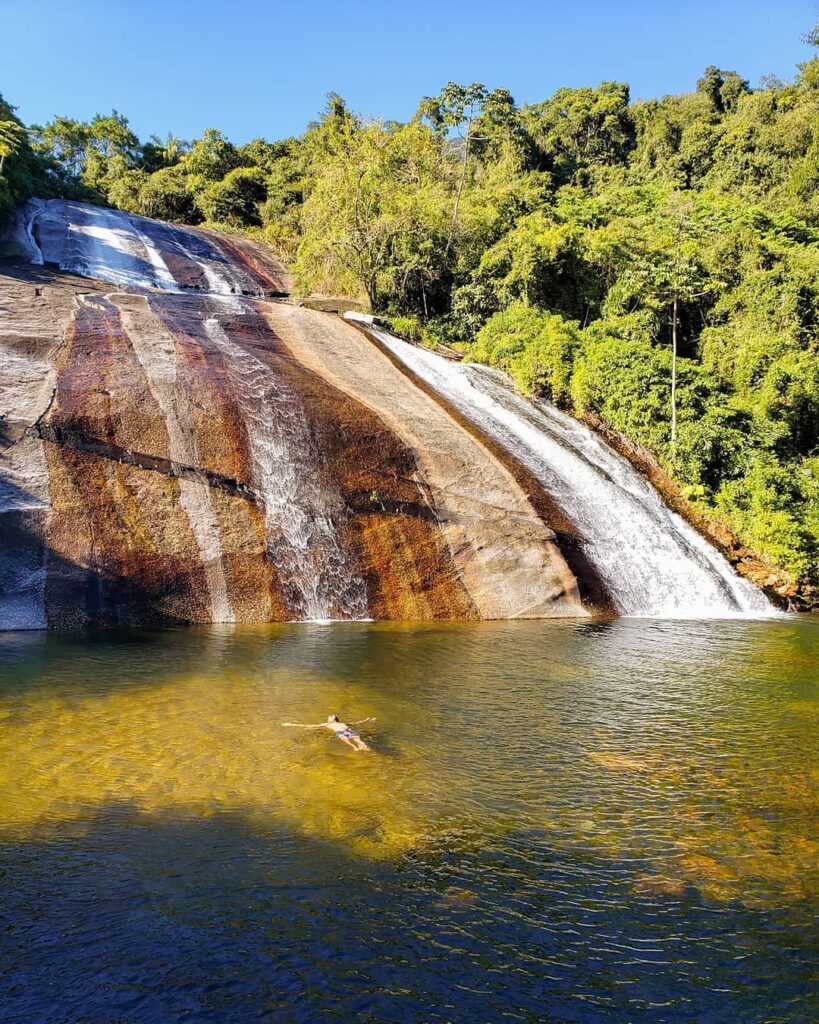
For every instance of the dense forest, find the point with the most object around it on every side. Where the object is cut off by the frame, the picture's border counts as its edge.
(652, 262)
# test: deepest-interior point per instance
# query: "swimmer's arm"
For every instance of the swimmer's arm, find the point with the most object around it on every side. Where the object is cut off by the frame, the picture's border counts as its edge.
(301, 725)
(361, 721)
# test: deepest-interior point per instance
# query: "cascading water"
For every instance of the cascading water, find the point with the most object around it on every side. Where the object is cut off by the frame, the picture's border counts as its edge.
(126, 249)
(300, 513)
(652, 561)
(219, 275)
(95, 242)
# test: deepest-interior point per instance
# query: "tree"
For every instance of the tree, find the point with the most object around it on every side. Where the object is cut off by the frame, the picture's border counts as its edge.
(23, 171)
(110, 136)
(456, 108)
(527, 263)
(125, 189)
(236, 198)
(734, 87)
(168, 195)
(499, 129)
(12, 137)
(264, 154)
(666, 273)
(710, 85)
(536, 347)
(157, 153)
(376, 215)
(212, 156)
(66, 141)
(580, 127)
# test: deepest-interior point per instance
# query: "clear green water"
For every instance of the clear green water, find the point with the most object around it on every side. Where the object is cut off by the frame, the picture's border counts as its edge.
(596, 821)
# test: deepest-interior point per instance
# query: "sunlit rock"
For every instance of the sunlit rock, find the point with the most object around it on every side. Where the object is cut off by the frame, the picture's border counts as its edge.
(176, 447)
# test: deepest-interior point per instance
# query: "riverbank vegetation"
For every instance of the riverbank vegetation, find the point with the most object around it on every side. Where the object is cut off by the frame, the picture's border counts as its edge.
(651, 262)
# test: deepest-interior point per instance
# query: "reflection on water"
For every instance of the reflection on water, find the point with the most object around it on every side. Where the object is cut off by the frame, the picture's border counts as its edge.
(569, 820)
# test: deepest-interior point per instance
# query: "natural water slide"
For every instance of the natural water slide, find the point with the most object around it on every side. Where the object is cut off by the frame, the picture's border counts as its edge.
(178, 444)
(651, 560)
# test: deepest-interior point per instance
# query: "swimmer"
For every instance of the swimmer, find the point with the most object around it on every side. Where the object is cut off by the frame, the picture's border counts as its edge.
(342, 730)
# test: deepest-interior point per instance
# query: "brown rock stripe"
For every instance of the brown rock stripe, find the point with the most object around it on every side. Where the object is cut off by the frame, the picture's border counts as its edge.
(219, 435)
(121, 547)
(394, 541)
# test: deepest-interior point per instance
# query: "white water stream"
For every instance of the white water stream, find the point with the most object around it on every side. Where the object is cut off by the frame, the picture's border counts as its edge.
(652, 561)
(123, 248)
(318, 580)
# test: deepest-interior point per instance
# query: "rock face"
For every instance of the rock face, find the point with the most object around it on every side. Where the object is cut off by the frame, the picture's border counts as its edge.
(180, 445)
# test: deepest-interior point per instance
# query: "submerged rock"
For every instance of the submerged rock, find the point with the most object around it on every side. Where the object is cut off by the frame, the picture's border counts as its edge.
(659, 886)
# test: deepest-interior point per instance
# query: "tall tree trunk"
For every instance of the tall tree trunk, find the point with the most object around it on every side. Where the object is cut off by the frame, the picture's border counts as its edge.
(460, 189)
(372, 292)
(674, 376)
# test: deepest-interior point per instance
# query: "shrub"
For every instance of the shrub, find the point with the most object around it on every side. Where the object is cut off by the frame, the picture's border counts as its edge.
(407, 327)
(167, 194)
(627, 382)
(772, 507)
(537, 348)
(236, 198)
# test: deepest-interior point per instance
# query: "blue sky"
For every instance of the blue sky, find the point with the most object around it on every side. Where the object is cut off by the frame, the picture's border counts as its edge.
(254, 68)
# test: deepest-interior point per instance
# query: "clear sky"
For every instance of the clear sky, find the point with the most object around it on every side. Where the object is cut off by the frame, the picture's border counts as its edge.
(263, 68)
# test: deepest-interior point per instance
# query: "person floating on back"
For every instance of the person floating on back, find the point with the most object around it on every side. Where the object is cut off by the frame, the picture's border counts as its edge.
(342, 730)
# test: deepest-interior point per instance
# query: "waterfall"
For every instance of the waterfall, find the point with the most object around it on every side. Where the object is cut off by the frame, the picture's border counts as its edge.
(126, 249)
(220, 275)
(300, 511)
(652, 561)
(95, 242)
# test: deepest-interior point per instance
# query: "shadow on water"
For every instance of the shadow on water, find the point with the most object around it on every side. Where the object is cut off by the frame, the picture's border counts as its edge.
(157, 918)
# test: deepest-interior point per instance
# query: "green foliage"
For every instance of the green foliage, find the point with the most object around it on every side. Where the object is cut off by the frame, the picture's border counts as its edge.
(580, 127)
(375, 219)
(236, 198)
(125, 190)
(168, 195)
(65, 141)
(212, 157)
(157, 154)
(409, 328)
(12, 139)
(623, 378)
(773, 506)
(23, 173)
(542, 261)
(537, 348)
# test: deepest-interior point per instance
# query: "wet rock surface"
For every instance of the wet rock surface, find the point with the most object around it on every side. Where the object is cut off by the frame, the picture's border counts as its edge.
(176, 447)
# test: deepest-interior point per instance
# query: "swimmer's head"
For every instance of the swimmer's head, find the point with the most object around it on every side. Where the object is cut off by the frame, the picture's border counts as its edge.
(332, 718)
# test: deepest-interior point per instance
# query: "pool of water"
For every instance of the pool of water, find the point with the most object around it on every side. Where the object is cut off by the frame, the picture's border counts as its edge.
(560, 821)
